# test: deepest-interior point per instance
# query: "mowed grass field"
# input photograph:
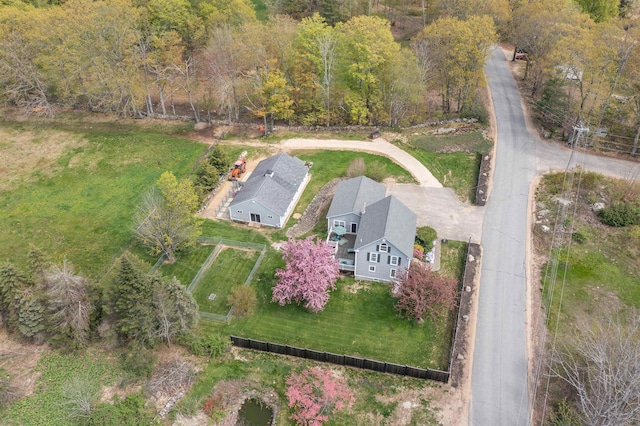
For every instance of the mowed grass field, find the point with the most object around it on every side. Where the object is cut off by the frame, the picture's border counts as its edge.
(229, 269)
(358, 320)
(71, 188)
(190, 262)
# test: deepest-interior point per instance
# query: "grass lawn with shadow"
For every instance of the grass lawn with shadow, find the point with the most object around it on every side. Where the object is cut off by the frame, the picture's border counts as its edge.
(229, 269)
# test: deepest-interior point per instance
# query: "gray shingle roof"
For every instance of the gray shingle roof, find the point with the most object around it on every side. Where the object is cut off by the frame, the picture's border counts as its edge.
(352, 194)
(390, 219)
(276, 190)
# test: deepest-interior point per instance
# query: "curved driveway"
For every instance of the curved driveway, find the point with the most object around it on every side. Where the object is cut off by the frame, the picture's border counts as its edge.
(376, 146)
(434, 205)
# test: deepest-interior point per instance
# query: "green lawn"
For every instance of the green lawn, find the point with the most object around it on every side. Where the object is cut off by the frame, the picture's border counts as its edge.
(331, 164)
(360, 324)
(230, 269)
(454, 160)
(79, 203)
(190, 263)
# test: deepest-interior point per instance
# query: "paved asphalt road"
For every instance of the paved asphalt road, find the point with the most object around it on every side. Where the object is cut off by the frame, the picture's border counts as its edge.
(499, 386)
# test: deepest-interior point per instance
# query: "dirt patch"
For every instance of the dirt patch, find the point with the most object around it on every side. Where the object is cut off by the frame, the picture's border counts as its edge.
(20, 360)
(26, 154)
(317, 206)
(358, 286)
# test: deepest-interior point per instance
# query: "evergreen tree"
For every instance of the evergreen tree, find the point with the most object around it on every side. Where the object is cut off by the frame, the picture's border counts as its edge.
(31, 319)
(132, 295)
(176, 310)
(12, 281)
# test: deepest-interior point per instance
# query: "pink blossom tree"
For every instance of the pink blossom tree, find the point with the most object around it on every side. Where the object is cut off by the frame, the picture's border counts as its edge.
(310, 273)
(315, 393)
(423, 293)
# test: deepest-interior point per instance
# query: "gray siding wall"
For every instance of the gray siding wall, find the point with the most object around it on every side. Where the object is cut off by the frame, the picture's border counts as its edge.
(242, 212)
(347, 218)
(382, 264)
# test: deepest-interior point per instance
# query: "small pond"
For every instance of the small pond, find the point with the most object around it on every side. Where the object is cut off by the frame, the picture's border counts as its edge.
(254, 413)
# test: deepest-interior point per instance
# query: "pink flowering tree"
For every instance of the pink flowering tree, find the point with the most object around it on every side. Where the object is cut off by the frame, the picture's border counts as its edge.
(316, 393)
(421, 293)
(310, 274)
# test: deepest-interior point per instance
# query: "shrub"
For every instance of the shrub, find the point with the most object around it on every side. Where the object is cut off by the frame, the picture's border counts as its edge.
(425, 236)
(138, 361)
(315, 393)
(219, 159)
(212, 346)
(564, 415)
(356, 168)
(207, 177)
(243, 299)
(377, 171)
(619, 215)
(418, 251)
(579, 237)
(130, 411)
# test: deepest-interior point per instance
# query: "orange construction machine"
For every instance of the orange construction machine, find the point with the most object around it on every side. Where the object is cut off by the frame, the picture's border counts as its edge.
(239, 167)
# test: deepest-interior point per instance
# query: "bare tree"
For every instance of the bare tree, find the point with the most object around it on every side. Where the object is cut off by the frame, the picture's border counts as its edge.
(79, 395)
(604, 370)
(166, 218)
(68, 304)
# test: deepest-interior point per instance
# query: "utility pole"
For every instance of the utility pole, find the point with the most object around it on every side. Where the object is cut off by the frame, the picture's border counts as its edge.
(576, 136)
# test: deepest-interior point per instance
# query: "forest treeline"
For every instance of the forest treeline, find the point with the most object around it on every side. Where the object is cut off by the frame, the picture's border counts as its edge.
(145, 58)
(327, 62)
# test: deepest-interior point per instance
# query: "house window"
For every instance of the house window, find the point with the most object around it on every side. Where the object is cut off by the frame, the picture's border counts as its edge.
(383, 247)
(392, 273)
(372, 268)
(394, 260)
(374, 257)
(354, 228)
(338, 223)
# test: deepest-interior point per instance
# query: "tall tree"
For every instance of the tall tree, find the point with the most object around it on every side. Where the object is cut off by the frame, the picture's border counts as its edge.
(315, 55)
(20, 304)
(367, 53)
(132, 295)
(457, 50)
(166, 219)
(600, 10)
(176, 310)
(23, 79)
(310, 273)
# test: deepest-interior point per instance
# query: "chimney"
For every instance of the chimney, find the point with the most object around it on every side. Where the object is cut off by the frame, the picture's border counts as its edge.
(364, 207)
